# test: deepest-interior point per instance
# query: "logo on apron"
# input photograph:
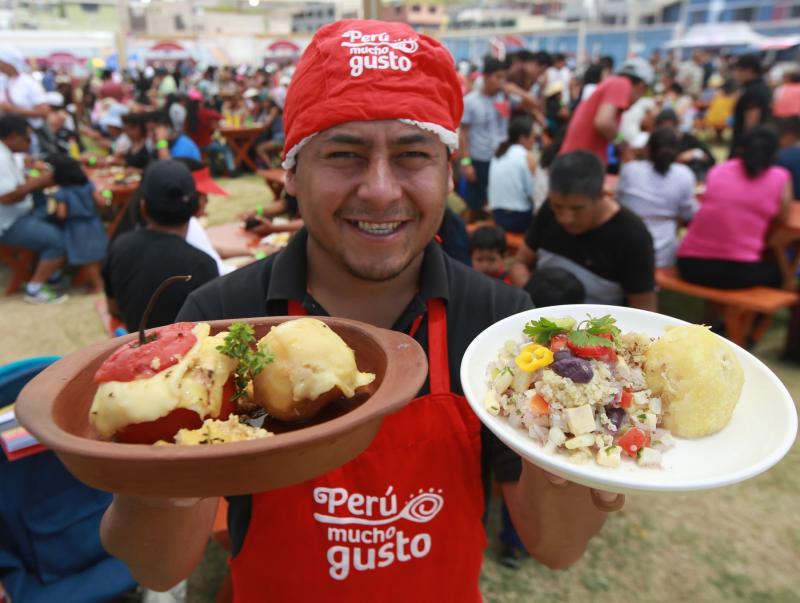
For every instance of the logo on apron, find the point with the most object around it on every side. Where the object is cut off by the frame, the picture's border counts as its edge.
(365, 538)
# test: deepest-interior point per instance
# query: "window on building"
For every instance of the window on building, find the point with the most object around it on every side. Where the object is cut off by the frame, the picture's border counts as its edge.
(744, 14)
(398, 10)
(416, 8)
(794, 12)
(180, 24)
(698, 16)
(331, 12)
(671, 13)
(432, 9)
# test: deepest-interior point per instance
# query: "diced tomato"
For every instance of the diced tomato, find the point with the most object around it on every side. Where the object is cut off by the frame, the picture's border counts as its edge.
(598, 352)
(540, 405)
(627, 398)
(558, 342)
(165, 428)
(633, 440)
(132, 361)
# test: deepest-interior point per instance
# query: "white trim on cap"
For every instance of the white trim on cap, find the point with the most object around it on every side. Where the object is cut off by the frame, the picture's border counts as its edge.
(448, 137)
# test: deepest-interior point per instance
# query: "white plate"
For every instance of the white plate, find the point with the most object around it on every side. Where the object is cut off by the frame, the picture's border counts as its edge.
(760, 433)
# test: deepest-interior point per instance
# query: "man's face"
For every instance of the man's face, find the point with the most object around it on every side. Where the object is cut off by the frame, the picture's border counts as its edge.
(372, 194)
(18, 143)
(742, 76)
(493, 82)
(533, 69)
(576, 214)
(7, 69)
(638, 90)
(487, 261)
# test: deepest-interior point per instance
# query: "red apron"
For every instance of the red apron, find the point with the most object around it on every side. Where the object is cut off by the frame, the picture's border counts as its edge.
(400, 522)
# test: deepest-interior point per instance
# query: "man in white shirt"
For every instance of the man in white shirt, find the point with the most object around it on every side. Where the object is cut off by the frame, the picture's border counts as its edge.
(20, 93)
(19, 227)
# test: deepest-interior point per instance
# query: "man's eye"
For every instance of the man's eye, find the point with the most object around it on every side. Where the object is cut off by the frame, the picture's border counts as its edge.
(414, 155)
(342, 155)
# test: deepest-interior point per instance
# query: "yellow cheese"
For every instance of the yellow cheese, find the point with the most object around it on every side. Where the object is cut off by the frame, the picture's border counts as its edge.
(310, 360)
(215, 431)
(194, 383)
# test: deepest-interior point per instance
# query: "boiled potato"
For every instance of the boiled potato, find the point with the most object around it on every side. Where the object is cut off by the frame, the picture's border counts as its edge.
(698, 378)
(313, 366)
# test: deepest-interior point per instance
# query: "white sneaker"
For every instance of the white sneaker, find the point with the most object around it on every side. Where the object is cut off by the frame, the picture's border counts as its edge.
(45, 295)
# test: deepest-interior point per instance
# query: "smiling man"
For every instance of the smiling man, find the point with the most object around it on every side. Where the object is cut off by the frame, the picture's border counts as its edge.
(371, 122)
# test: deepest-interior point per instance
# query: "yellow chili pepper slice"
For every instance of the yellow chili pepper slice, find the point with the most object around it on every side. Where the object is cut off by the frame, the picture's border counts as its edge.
(533, 357)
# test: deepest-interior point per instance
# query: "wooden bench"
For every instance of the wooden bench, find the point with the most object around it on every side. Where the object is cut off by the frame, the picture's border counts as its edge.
(513, 239)
(739, 307)
(21, 261)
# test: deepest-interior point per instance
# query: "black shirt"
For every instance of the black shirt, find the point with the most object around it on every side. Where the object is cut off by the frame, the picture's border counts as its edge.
(620, 250)
(473, 301)
(139, 261)
(755, 95)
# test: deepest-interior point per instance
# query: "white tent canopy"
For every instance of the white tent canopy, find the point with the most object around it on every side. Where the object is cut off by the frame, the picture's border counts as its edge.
(714, 35)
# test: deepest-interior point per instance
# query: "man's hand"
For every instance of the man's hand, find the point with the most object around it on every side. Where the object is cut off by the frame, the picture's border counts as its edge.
(608, 502)
(8, 107)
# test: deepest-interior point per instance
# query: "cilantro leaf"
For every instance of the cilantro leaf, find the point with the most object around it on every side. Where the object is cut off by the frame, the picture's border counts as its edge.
(604, 324)
(542, 330)
(584, 339)
(238, 345)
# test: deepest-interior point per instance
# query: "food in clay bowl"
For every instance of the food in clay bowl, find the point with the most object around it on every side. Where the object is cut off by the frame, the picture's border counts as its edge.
(626, 400)
(331, 381)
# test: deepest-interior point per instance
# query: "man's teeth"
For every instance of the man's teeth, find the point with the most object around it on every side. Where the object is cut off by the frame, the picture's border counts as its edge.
(378, 228)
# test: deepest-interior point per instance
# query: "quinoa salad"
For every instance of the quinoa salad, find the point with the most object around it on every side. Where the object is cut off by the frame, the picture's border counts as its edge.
(579, 389)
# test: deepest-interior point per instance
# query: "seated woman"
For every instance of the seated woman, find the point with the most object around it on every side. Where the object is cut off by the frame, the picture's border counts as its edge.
(137, 155)
(511, 184)
(661, 192)
(727, 238)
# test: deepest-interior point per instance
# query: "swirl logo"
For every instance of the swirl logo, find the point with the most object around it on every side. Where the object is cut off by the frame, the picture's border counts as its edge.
(420, 509)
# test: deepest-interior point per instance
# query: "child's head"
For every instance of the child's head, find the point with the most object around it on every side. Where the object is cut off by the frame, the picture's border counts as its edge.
(555, 287)
(487, 247)
(789, 131)
(67, 171)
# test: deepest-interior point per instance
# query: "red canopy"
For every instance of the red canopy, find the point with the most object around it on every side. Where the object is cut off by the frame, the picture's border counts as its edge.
(168, 46)
(282, 49)
(63, 59)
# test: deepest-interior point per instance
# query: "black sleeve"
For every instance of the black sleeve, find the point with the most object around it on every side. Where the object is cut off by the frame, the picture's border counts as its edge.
(533, 236)
(105, 272)
(636, 256)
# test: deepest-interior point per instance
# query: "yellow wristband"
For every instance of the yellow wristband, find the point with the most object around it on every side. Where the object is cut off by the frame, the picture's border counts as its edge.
(466, 161)
(162, 144)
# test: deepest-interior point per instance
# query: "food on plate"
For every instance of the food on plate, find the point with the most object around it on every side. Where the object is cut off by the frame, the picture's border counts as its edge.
(592, 392)
(215, 431)
(698, 378)
(312, 367)
(580, 389)
(176, 379)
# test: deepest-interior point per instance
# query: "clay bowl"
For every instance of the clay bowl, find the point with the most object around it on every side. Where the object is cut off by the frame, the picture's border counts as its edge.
(54, 407)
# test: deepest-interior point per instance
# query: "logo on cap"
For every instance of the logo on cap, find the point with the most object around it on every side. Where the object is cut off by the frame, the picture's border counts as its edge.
(377, 51)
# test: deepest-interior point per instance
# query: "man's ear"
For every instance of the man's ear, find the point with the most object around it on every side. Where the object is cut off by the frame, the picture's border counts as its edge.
(450, 184)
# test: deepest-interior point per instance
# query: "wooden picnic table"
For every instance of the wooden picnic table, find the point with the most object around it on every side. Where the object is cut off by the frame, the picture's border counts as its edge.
(241, 140)
(121, 190)
(232, 240)
(275, 179)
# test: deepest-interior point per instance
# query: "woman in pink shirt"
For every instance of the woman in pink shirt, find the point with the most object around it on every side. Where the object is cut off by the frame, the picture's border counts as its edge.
(726, 239)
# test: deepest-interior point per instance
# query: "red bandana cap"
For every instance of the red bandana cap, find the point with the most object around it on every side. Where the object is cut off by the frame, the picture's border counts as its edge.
(361, 70)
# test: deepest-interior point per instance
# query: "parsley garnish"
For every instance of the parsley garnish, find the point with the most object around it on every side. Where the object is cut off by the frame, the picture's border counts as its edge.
(642, 417)
(543, 330)
(250, 362)
(585, 339)
(604, 324)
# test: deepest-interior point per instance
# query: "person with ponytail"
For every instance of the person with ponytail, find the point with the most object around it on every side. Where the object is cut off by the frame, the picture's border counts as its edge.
(661, 192)
(511, 171)
(744, 197)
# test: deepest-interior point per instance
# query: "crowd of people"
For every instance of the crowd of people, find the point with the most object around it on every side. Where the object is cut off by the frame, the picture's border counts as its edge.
(606, 172)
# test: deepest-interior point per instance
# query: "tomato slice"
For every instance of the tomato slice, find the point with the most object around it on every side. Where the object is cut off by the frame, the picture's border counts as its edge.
(598, 352)
(633, 440)
(627, 398)
(132, 361)
(165, 428)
